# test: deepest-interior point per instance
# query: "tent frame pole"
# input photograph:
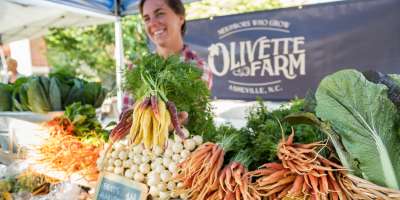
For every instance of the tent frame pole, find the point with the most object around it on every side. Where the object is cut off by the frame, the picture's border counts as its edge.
(119, 54)
(119, 61)
(4, 67)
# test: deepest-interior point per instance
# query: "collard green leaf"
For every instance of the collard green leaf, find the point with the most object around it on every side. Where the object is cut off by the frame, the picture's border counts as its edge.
(310, 102)
(75, 93)
(5, 97)
(23, 97)
(395, 78)
(55, 94)
(89, 92)
(388, 81)
(93, 94)
(20, 96)
(66, 79)
(37, 96)
(361, 113)
(45, 82)
(16, 105)
(100, 98)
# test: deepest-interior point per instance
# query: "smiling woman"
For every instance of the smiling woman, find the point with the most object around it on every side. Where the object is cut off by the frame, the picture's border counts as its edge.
(165, 25)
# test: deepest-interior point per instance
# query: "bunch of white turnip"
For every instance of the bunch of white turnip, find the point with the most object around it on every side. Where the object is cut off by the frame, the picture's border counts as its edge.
(154, 167)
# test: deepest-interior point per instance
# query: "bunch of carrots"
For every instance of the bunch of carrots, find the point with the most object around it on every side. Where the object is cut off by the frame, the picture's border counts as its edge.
(67, 153)
(60, 126)
(303, 173)
(149, 120)
(359, 189)
(123, 127)
(200, 172)
(233, 179)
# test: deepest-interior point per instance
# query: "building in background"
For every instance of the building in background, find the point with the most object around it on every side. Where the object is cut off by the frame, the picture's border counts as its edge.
(30, 55)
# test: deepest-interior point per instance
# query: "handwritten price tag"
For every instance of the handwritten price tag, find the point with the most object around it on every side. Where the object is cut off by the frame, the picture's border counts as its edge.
(114, 187)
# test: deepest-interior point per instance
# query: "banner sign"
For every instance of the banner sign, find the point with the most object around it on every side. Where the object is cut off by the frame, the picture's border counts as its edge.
(281, 54)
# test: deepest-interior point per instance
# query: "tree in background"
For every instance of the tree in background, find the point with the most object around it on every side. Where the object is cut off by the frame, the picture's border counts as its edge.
(212, 8)
(89, 51)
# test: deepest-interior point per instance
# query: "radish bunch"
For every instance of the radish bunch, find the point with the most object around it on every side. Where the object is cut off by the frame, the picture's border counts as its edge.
(154, 167)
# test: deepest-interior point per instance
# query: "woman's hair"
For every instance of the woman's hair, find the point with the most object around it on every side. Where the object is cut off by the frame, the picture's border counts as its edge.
(176, 6)
(12, 64)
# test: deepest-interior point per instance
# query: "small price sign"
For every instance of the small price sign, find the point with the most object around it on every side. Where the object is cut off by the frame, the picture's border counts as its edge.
(114, 187)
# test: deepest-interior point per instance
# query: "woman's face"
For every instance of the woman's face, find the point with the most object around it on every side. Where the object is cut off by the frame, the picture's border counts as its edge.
(162, 25)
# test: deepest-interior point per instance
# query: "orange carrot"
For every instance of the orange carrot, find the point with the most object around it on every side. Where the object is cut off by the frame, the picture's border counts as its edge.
(297, 186)
(67, 153)
(201, 171)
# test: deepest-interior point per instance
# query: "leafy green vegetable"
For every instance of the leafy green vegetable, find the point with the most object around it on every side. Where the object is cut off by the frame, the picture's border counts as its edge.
(42, 94)
(394, 92)
(74, 89)
(100, 95)
(45, 83)
(66, 79)
(23, 96)
(180, 82)
(90, 92)
(5, 97)
(381, 78)
(20, 96)
(55, 94)
(93, 94)
(395, 78)
(37, 95)
(74, 93)
(310, 102)
(86, 125)
(361, 113)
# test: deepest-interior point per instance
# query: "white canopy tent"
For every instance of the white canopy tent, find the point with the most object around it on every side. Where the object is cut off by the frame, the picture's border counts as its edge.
(21, 19)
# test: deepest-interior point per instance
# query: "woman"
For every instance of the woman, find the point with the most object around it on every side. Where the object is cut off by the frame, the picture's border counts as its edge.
(13, 74)
(165, 25)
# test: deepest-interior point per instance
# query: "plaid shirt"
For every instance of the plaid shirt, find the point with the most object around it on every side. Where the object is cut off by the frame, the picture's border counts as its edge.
(187, 55)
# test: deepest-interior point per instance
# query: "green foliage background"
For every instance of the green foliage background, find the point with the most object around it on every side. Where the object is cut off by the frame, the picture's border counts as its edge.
(89, 51)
